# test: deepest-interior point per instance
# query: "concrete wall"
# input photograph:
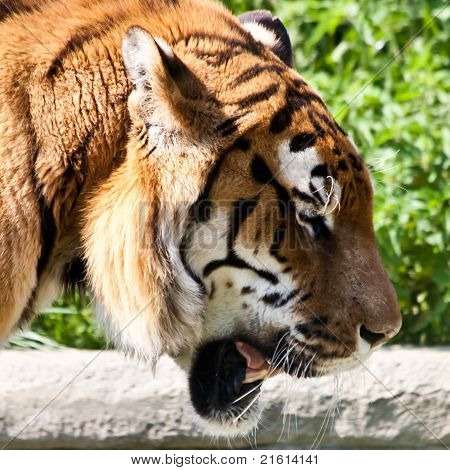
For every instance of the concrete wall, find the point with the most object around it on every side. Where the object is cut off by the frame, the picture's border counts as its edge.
(83, 399)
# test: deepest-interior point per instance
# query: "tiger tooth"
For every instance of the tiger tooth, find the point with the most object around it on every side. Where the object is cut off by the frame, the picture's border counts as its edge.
(254, 375)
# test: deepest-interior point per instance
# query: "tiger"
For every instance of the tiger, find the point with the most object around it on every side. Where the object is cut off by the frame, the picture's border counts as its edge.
(168, 157)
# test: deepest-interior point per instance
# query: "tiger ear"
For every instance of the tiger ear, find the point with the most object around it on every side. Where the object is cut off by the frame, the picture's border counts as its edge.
(270, 31)
(163, 86)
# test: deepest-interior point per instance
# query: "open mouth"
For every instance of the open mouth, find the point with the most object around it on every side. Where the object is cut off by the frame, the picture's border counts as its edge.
(226, 378)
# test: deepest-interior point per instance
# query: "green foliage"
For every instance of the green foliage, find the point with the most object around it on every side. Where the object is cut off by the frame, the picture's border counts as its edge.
(70, 322)
(382, 67)
(241, 6)
(31, 340)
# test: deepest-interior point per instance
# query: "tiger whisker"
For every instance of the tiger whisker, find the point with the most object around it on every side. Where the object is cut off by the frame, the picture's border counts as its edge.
(270, 371)
(246, 393)
(247, 407)
(285, 405)
(323, 428)
(331, 414)
(273, 367)
(375, 161)
(329, 194)
(386, 170)
(289, 390)
(337, 204)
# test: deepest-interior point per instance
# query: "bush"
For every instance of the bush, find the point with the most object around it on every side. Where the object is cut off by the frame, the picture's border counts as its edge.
(382, 67)
(70, 322)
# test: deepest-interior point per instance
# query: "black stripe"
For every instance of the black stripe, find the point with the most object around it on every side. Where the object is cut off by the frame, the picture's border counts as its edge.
(238, 263)
(239, 144)
(302, 141)
(242, 209)
(213, 290)
(315, 192)
(228, 127)
(303, 329)
(281, 120)
(340, 129)
(261, 173)
(74, 275)
(284, 202)
(9, 8)
(212, 178)
(318, 129)
(277, 300)
(251, 47)
(247, 290)
(330, 123)
(201, 211)
(255, 71)
(188, 268)
(321, 333)
(271, 298)
(320, 171)
(278, 238)
(342, 165)
(202, 208)
(317, 224)
(218, 57)
(286, 299)
(303, 196)
(294, 101)
(48, 235)
(355, 161)
(306, 296)
(258, 97)
(319, 320)
(83, 35)
(298, 83)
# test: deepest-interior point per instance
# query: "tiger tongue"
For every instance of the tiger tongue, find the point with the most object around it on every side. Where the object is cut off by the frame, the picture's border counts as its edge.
(254, 358)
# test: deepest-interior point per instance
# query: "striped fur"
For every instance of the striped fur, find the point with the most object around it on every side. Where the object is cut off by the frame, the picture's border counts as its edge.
(159, 153)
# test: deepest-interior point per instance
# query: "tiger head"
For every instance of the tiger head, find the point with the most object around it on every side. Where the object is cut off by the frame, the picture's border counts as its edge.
(255, 228)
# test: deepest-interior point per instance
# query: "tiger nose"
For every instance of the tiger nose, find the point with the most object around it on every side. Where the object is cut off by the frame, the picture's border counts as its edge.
(375, 338)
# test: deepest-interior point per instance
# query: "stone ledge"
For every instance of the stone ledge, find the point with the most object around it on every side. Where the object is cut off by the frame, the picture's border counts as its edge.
(116, 403)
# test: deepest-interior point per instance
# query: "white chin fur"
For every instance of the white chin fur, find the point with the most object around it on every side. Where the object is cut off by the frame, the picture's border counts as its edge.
(243, 426)
(347, 364)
